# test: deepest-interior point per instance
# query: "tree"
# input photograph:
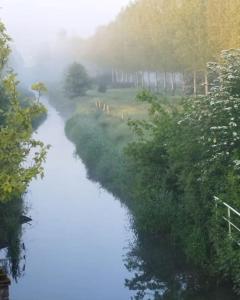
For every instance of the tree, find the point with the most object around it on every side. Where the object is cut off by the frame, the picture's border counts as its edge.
(77, 81)
(40, 88)
(166, 36)
(17, 145)
(21, 156)
(183, 157)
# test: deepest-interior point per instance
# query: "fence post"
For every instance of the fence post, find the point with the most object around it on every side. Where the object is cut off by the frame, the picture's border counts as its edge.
(229, 224)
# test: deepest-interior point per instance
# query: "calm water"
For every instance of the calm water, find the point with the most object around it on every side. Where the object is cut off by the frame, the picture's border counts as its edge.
(75, 246)
(80, 245)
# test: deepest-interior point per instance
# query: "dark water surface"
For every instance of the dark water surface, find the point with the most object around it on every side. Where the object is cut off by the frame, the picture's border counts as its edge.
(80, 245)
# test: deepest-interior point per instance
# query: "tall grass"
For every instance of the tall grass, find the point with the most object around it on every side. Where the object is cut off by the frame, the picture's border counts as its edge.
(100, 140)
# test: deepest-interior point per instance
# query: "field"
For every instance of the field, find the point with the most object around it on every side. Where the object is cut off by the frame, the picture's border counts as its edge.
(119, 103)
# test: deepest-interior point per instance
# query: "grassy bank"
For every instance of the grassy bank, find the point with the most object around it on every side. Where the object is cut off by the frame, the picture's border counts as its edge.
(159, 184)
(176, 163)
(119, 103)
(101, 136)
(100, 141)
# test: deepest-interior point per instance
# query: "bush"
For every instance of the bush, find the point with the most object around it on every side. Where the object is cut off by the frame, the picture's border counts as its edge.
(193, 154)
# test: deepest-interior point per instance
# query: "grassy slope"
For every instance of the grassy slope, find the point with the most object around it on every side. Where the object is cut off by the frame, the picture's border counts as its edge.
(100, 137)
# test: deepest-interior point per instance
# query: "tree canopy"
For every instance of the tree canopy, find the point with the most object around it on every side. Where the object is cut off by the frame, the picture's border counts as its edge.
(40, 88)
(21, 156)
(166, 36)
(77, 81)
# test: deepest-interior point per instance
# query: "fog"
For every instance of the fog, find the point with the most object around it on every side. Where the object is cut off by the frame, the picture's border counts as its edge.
(33, 25)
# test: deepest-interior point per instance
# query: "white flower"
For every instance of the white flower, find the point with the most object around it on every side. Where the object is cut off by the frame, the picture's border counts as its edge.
(237, 163)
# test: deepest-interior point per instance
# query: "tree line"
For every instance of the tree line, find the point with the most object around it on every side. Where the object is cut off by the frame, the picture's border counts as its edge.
(165, 42)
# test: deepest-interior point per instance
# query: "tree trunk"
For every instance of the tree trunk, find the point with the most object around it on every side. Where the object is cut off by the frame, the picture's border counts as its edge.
(126, 77)
(183, 83)
(149, 80)
(117, 77)
(156, 78)
(172, 83)
(131, 79)
(137, 80)
(143, 81)
(195, 83)
(122, 79)
(113, 76)
(206, 82)
(165, 81)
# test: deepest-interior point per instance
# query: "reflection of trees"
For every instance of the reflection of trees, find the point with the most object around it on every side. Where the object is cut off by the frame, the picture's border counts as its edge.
(11, 246)
(159, 273)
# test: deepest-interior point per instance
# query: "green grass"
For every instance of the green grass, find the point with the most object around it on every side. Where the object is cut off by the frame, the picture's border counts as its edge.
(121, 102)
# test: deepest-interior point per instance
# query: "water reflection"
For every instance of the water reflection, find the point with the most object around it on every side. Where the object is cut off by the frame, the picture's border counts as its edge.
(160, 274)
(4, 286)
(79, 233)
(12, 250)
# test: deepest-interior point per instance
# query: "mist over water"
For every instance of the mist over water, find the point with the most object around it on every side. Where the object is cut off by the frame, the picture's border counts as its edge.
(71, 236)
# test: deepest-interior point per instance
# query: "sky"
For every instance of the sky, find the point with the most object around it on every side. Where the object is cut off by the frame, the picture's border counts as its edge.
(33, 23)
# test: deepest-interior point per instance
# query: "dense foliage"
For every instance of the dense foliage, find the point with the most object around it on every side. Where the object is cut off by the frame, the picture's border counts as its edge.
(39, 88)
(164, 44)
(166, 35)
(183, 156)
(77, 81)
(21, 156)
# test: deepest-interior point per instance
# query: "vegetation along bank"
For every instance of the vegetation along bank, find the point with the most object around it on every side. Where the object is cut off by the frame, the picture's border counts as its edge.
(171, 165)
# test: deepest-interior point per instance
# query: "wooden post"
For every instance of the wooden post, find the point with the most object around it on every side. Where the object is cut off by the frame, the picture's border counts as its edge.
(149, 79)
(99, 104)
(229, 220)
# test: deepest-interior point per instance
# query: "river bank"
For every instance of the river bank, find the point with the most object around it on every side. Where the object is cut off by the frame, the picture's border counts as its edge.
(100, 139)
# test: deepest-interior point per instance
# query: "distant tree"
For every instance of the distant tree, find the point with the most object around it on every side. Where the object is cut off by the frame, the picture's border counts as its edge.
(40, 88)
(77, 81)
(102, 88)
